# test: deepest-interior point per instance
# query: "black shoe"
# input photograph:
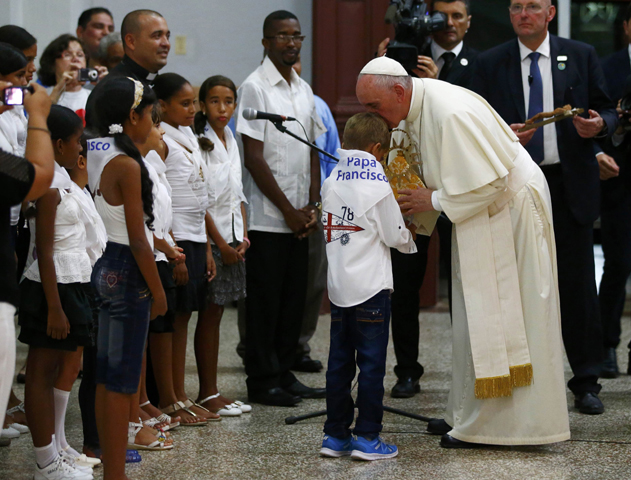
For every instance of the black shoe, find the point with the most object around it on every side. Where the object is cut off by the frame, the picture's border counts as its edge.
(405, 388)
(589, 403)
(629, 364)
(447, 441)
(303, 391)
(307, 364)
(437, 426)
(277, 397)
(609, 368)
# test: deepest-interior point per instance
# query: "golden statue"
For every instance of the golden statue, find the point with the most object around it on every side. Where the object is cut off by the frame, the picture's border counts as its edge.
(405, 170)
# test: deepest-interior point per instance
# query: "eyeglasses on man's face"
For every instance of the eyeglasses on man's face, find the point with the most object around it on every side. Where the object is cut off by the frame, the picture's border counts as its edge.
(531, 9)
(285, 39)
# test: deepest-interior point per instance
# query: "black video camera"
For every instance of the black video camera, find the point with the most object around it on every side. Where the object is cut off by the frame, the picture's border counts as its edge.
(413, 25)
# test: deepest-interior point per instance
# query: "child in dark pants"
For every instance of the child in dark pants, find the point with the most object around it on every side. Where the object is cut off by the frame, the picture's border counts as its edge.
(362, 221)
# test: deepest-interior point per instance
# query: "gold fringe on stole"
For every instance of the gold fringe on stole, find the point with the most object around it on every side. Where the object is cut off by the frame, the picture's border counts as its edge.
(493, 387)
(521, 375)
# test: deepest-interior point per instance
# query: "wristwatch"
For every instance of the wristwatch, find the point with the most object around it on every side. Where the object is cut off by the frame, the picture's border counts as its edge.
(318, 205)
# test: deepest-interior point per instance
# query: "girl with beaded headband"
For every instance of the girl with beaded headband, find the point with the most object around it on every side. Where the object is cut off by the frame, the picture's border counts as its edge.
(125, 278)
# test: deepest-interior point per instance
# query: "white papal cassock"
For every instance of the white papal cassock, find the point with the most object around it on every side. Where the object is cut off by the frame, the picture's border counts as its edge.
(505, 296)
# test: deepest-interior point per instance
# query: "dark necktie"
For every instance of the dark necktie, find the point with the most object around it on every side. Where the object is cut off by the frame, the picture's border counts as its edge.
(448, 58)
(535, 106)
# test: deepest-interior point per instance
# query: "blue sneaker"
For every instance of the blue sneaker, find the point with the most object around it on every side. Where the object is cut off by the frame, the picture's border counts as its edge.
(376, 449)
(336, 447)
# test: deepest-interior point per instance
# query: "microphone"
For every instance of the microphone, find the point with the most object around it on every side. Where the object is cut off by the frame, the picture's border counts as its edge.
(251, 114)
(530, 79)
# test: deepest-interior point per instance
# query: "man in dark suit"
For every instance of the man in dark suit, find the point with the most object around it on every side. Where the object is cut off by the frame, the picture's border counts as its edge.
(535, 73)
(446, 58)
(615, 215)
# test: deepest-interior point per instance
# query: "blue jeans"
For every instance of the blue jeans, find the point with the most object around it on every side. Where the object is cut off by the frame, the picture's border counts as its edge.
(363, 329)
(125, 307)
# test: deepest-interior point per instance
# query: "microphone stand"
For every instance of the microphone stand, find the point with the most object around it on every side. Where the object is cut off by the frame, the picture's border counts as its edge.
(282, 128)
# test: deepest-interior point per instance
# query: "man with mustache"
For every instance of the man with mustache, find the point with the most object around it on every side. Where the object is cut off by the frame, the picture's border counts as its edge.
(446, 58)
(538, 72)
(281, 181)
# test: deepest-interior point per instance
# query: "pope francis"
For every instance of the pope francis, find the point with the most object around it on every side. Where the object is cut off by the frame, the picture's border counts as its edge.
(507, 381)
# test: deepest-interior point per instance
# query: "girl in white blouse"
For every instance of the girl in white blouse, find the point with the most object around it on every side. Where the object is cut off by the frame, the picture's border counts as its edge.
(55, 314)
(228, 231)
(187, 175)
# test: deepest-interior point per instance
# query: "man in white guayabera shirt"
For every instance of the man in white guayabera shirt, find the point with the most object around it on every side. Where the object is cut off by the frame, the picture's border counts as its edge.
(281, 181)
(507, 385)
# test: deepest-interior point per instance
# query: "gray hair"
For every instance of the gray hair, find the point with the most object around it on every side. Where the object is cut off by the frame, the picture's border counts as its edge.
(107, 41)
(389, 81)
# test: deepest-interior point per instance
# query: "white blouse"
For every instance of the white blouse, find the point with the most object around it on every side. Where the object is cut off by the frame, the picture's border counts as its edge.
(72, 263)
(162, 208)
(187, 174)
(225, 190)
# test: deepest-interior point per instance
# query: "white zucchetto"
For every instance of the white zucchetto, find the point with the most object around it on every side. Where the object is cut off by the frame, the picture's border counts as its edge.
(384, 66)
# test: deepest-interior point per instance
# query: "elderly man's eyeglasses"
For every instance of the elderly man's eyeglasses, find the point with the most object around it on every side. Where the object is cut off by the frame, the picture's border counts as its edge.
(531, 9)
(285, 39)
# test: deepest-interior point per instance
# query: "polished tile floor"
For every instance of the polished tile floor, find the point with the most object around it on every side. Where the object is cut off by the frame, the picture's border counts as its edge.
(260, 446)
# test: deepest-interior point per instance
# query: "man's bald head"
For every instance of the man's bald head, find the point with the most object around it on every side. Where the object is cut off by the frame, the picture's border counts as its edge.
(146, 39)
(388, 96)
(132, 23)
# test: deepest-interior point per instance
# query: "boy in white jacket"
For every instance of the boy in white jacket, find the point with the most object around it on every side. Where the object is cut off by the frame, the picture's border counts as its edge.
(362, 221)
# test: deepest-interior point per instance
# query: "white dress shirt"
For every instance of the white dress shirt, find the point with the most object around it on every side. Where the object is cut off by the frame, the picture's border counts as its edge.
(289, 160)
(362, 221)
(225, 189)
(550, 147)
(438, 51)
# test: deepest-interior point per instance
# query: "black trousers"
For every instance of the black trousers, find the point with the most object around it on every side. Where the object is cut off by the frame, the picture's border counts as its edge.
(276, 283)
(615, 228)
(580, 316)
(408, 272)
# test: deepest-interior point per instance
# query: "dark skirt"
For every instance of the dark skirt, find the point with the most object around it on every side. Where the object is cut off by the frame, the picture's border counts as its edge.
(192, 296)
(33, 316)
(164, 323)
(229, 284)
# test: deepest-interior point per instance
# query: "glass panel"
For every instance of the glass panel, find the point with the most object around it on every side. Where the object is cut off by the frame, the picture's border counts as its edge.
(599, 24)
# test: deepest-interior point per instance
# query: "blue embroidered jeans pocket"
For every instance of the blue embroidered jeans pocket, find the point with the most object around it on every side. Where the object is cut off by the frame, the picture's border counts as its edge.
(370, 316)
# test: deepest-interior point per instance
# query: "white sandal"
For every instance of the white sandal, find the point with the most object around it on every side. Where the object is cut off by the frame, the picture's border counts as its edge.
(245, 408)
(158, 445)
(171, 409)
(162, 418)
(18, 426)
(227, 411)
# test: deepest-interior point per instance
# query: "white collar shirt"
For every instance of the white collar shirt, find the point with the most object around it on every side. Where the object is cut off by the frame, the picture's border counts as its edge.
(438, 51)
(362, 221)
(225, 188)
(162, 207)
(550, 147)
(187, 175)
(289, 160)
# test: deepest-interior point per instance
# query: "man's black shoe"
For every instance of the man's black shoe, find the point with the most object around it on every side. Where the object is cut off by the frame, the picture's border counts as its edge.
(437, 426)
(307, 364)
(277, 397)
(405, 388)
(589, 403)
(447, 441)
(609, 367)
(302, 391)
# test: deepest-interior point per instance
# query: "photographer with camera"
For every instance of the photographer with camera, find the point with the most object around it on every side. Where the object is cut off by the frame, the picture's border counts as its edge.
(20, 179)
(63, 64)
(446, 57)
(615, 213)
